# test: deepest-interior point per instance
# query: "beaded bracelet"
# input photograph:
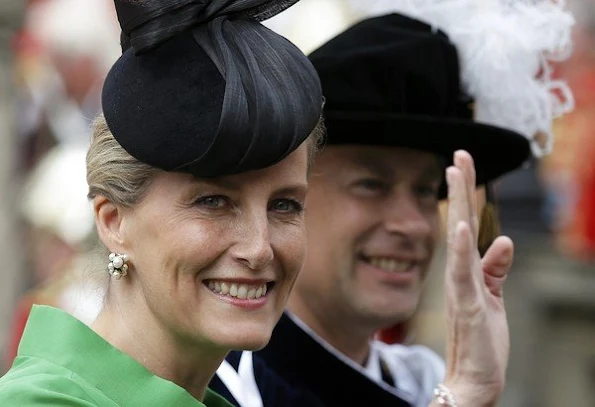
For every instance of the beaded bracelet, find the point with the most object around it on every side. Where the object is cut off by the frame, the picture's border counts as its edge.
(444, 396)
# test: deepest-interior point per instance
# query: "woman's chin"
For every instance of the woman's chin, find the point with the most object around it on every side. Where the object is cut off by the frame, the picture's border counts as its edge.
(245, 340)
(253, 346)
(243, 332)
(249, 342)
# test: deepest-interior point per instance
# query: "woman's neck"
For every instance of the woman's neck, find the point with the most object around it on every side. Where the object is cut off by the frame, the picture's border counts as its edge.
(136, 331)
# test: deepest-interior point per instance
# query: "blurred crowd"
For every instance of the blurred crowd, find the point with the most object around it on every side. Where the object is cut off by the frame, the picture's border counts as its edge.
(61, 55)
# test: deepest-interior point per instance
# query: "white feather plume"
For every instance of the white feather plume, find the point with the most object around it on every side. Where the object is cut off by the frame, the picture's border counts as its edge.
(505, 49)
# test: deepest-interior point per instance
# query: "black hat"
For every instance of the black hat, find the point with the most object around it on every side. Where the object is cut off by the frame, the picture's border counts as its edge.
(395, 81)
(203, 87)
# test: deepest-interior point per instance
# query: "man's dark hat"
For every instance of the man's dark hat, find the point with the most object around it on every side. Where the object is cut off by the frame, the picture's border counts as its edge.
(203, 87)
(395, 81)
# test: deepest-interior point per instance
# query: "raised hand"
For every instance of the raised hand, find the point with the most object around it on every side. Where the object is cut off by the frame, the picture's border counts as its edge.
(478, 340)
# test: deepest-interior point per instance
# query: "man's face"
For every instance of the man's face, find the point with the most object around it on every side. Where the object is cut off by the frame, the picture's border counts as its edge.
(372, 222)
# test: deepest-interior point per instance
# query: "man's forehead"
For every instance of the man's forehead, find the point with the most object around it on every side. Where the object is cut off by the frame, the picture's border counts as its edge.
(383, 160)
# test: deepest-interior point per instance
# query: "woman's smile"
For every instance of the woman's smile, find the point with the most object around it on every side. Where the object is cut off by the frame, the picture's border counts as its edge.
(243, 293)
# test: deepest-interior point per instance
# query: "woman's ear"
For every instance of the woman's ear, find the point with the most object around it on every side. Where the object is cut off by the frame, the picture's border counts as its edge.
(108, 218)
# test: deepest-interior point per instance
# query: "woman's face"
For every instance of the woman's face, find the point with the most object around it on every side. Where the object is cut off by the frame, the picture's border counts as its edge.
(215, 259)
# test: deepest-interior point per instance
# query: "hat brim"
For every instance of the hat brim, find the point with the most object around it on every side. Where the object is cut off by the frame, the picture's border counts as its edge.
(496, 151)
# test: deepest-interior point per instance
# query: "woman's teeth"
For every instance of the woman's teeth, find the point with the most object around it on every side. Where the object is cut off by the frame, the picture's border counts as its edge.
(241, 291)
(388, 264)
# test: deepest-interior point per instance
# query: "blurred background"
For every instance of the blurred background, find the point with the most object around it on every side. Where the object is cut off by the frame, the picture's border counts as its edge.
(54, 55)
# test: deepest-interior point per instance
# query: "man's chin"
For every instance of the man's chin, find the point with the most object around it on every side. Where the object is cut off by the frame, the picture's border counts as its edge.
(387, 314)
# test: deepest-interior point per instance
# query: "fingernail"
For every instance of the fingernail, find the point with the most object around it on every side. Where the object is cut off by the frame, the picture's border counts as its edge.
(458, 156)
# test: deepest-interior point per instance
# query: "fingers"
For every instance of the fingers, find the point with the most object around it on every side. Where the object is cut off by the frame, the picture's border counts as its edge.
(464, 285)
(464, 161)
(463, 266)
(498, 258)
(461, 195)
(496, 264)
(458, 207)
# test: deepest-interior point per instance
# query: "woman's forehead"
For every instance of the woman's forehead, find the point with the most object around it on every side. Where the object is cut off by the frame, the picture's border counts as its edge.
(289, 173)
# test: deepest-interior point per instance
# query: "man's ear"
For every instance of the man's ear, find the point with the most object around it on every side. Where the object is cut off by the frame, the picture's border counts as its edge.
(108, 218)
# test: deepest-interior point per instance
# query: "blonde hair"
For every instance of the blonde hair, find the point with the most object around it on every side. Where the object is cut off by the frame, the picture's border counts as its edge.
(114, 173)
(124, 180)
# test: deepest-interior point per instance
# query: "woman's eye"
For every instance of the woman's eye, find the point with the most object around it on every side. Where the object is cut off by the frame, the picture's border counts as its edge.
(286, 206)
(213, 202)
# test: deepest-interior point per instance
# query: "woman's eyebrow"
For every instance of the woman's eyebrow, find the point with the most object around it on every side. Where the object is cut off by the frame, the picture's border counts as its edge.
(296, 189)
(221, 182)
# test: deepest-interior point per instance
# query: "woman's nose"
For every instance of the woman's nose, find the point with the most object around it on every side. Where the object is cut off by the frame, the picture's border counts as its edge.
(253, 248)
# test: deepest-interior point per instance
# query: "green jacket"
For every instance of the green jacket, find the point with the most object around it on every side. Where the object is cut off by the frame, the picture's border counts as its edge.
(62, 362)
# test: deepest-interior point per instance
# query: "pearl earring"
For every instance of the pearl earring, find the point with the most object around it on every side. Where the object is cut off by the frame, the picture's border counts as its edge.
(117, 266)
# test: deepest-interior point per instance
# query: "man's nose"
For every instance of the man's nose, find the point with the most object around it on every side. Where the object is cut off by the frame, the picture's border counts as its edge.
(404, 215)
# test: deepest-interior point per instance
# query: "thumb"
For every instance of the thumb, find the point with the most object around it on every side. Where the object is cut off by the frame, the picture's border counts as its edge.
(497, 262)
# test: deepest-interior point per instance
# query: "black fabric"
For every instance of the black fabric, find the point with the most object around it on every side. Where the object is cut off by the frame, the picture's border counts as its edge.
(387, 377)
(305, 364)
(147, 23)
(202, 87)
(274, 390)
(147, 101)
(395, 81)
(233, 358)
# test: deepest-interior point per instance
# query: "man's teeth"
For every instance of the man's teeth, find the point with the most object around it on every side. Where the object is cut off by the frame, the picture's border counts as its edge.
(241, 291)
(389, 264)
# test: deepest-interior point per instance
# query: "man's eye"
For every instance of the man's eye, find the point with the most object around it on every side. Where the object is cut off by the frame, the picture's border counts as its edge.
(427, 192)
(373, 185)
